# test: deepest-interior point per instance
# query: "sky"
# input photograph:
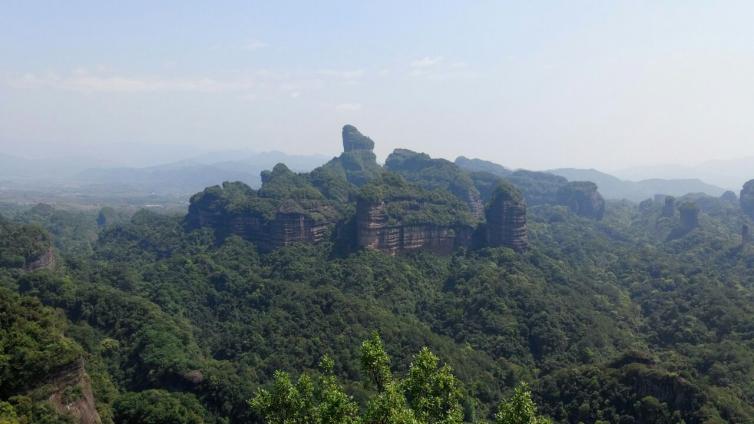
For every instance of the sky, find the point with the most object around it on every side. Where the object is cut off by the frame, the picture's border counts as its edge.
(528, 84)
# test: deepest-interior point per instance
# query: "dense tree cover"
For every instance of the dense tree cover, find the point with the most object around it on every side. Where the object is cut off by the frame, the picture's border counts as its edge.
(431, 174)
(20, 245)
(609, 321)
(410, 204)
(32, 347)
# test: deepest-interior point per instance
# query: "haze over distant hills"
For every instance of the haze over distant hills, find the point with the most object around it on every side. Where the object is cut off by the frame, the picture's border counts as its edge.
(615, 188)
(190, 175)
(730, 174)
(180, 177)
(611, 187)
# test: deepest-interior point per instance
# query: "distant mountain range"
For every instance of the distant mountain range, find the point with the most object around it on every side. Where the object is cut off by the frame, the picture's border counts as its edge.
(613, 187)
(191, 175)
(610, 187)
(730, 174)
(182, 177)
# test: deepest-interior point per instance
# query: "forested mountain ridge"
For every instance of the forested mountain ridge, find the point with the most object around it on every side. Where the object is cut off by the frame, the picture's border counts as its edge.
(612, 311)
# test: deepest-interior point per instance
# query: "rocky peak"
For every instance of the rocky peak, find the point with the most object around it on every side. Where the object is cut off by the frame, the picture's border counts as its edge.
(668, 210)
(747, 198)
(355, 167)
(689, 215)
(353, 140)
(582, 198)
(506, 218)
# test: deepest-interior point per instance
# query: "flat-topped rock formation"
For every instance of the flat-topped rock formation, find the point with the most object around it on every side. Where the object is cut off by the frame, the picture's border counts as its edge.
(395, 217)
(286, 210)
(417, 203)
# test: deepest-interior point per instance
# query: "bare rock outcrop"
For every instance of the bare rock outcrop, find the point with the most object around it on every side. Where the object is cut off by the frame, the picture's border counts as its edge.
(376, 231)
(286, 210)
(354, 140)
(506, 219)
(72, 394)
(46, 260)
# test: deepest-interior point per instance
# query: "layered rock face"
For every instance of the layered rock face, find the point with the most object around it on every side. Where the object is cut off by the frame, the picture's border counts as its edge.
(375, 231)
(291, 228)
(582, 198)
(506, 219)
(84, 409)
(269, 222)
(284, 229)
(747, 198)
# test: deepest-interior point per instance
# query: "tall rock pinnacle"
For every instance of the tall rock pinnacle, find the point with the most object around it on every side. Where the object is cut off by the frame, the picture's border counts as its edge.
(354, 140)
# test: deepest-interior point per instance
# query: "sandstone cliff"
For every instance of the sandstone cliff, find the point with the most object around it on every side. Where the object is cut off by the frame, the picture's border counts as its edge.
(506, 219)
(72, 394)
(46, 260)
(395, 217)
(353, 140)
(286, 210)
(375, 231)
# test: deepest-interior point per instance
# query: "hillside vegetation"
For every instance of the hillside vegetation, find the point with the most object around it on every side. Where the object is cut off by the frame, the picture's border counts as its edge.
(632, 313)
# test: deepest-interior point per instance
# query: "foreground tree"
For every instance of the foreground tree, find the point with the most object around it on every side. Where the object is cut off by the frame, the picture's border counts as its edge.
(308, 401)
(519, 409)
(429, 394)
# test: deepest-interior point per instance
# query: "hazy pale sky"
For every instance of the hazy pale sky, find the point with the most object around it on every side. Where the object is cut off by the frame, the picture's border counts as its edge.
(606, 84)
